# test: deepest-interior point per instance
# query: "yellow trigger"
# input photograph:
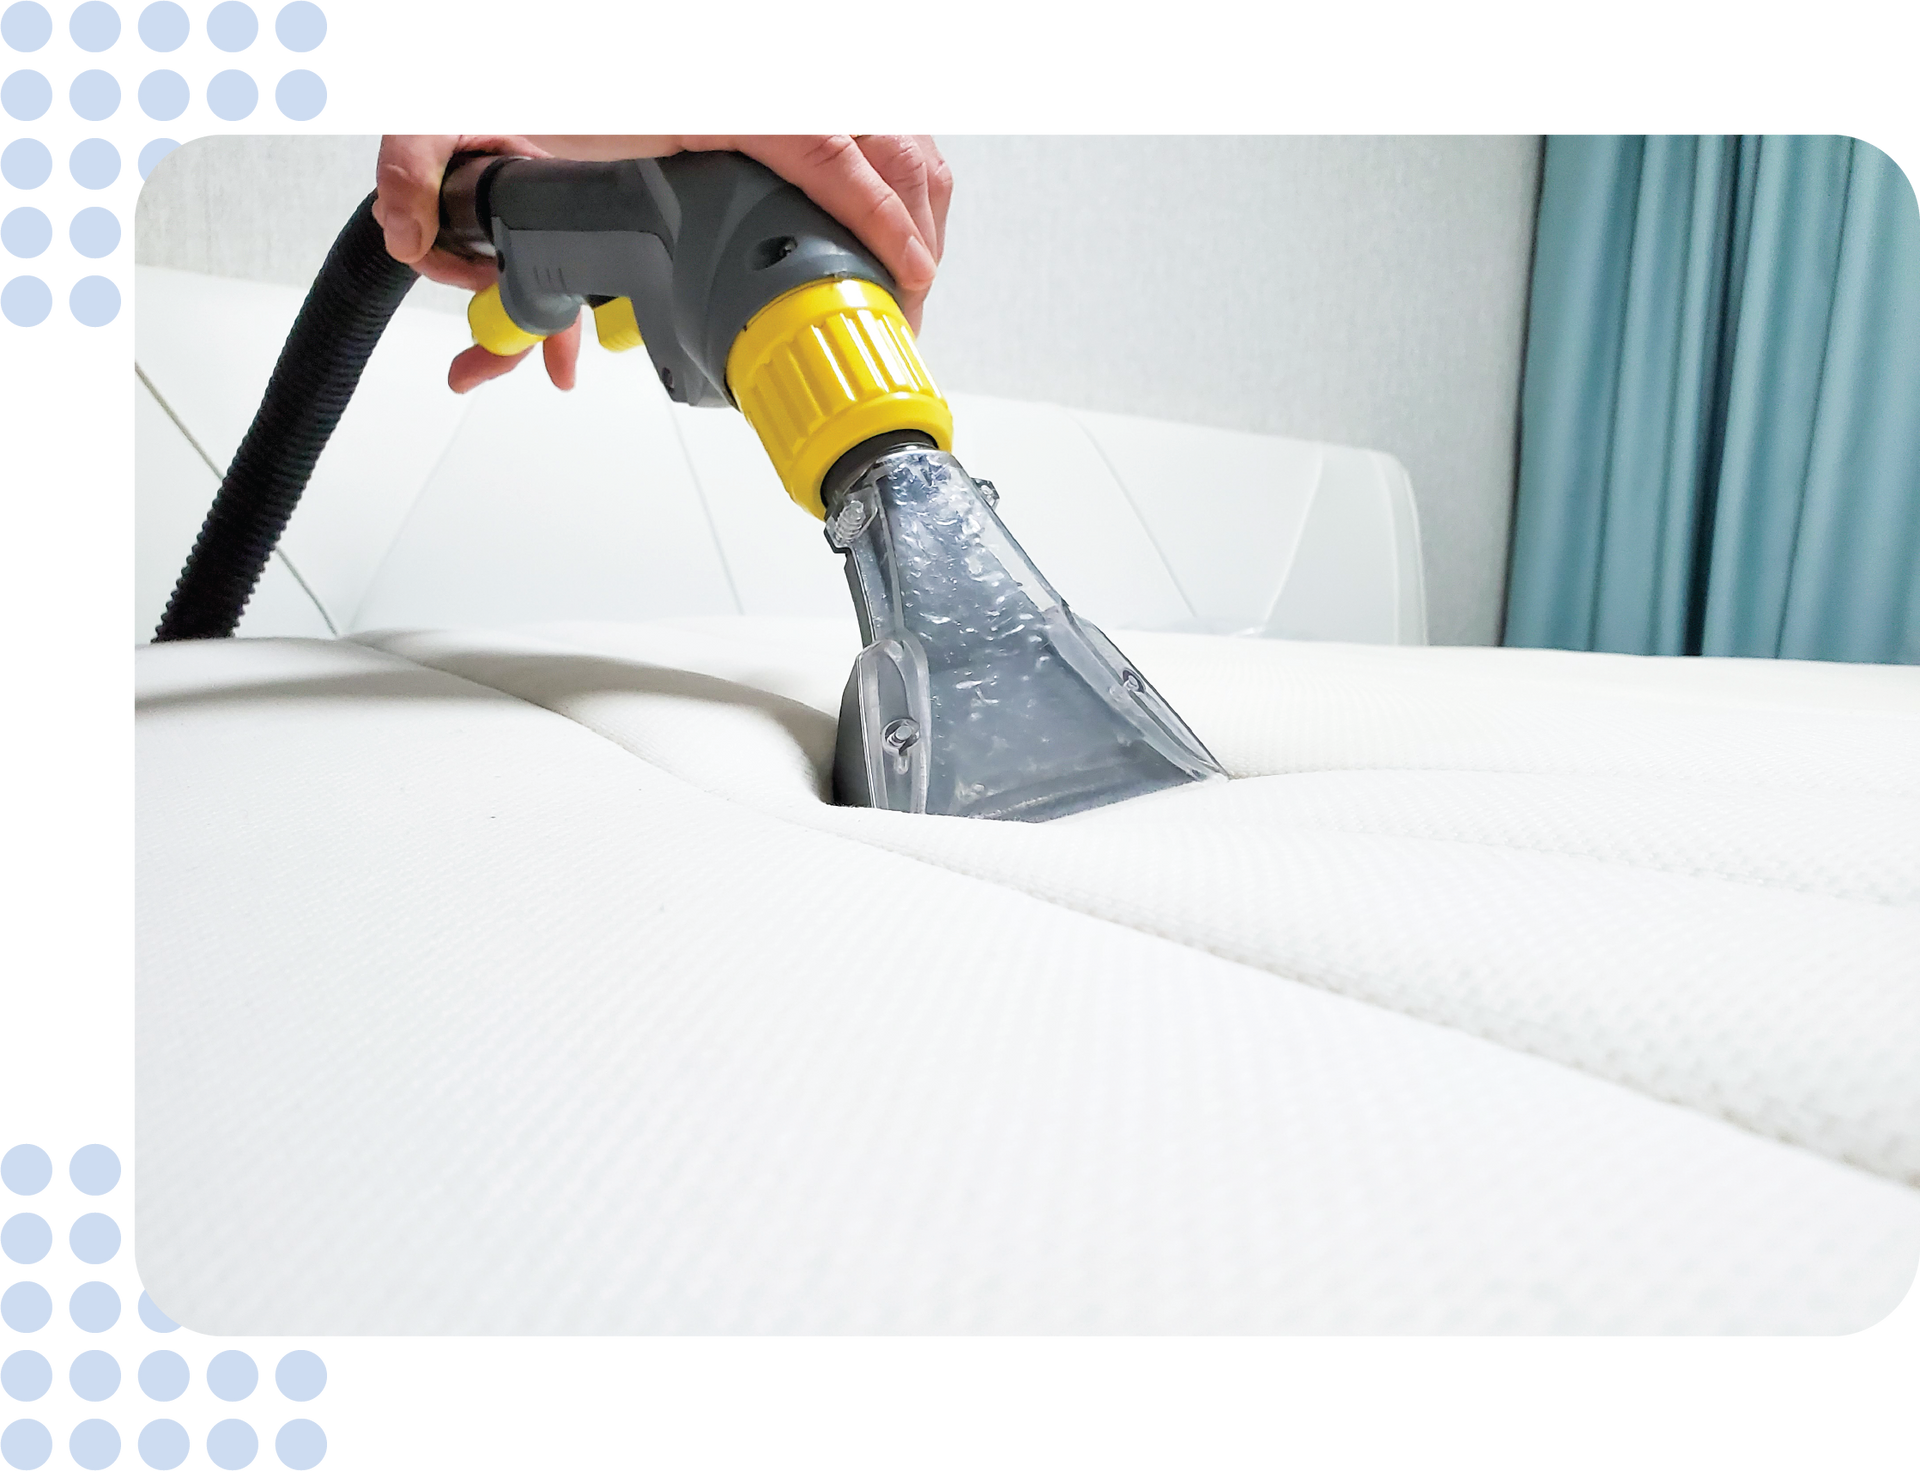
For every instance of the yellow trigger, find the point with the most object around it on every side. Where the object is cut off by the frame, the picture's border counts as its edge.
(494, 330)
(614, 323)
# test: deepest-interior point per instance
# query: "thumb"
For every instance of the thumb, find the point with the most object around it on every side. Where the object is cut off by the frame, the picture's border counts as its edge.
(407, 181)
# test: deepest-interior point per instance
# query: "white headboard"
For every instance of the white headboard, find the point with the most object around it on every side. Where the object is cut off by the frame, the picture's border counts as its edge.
(519, 504)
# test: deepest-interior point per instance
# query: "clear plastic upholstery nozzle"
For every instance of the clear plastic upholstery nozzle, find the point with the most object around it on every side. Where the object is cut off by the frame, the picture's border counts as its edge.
(979, 693)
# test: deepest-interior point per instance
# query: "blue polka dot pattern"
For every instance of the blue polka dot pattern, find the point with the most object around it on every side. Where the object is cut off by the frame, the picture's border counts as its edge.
(164, 27)
(164, 95)
(95, 1306)
(231, 27)
(95, 1375)
(25, 27)
(164, 1443)
(133, 72)
(300, 27)
(137, 1389)
(25, 1235)
(231, 95)
(231, 1443)
(25, 1375)
(25, 1443)
(231, 1375)
(95, 1443)
(25, 95)
(95, 233)
(300, 1443)
(95, 27)
(300, 95)
(95, 95)
(300, 1375)
(164, 1375)
(95, 1170)
(94, 1237)
(25, 1306)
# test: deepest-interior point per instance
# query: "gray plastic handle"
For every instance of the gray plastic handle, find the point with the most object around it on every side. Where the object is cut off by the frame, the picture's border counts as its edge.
(699, 242)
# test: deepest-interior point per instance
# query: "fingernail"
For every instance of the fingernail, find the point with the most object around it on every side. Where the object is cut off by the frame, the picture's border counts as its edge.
(919, 262)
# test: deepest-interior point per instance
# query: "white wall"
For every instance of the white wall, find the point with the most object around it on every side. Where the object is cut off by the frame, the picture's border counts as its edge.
(263, 209)
(1368, 291)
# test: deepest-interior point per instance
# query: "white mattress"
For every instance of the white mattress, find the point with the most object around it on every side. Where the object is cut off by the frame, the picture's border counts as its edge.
(524, 983)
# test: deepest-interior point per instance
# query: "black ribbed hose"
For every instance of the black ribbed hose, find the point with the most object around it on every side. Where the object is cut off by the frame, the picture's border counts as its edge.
(344, 314)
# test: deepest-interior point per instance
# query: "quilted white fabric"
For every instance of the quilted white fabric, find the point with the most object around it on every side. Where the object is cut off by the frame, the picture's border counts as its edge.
(1707, 888)
(459, 1014)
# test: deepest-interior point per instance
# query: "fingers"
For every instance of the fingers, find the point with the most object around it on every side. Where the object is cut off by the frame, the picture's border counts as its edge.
(939, 191)
(407, 179)
(407, 185)
(892, 190)
(456, 270)
(838, 176)
(911, 306)
(476, 366)
(562, 354)
(605, 145)
(913, 169)
(901, 163)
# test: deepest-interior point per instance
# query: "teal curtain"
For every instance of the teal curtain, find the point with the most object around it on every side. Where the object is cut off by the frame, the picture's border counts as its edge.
(1720, 419)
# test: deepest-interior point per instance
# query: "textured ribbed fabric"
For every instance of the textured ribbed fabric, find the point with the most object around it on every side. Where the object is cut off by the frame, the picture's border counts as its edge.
(1698, 879)
(566, 1005)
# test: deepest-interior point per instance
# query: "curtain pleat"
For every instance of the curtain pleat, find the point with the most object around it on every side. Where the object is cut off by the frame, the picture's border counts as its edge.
(1720, 443)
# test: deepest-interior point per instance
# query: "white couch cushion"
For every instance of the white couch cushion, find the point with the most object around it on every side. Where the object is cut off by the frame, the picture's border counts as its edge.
(638, 1035)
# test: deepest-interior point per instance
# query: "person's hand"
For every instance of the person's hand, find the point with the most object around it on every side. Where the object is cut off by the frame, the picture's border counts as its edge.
(891, 189)
(407, 180)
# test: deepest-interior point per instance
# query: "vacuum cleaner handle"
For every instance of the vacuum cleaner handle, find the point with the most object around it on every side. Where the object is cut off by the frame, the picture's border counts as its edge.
(980, 693)
(743, 290)
(678, 253)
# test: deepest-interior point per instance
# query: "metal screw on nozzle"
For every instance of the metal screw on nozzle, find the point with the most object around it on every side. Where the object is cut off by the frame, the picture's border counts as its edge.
(846, 526)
